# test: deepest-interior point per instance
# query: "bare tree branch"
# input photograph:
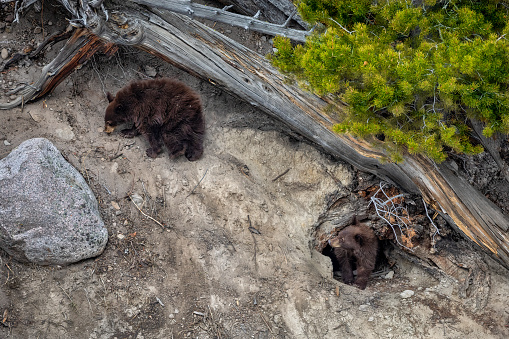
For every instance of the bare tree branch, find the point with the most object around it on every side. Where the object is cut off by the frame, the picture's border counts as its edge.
(220, 15)
(75, 53)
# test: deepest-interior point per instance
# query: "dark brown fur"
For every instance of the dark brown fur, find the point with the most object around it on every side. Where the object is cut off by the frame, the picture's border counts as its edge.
(164, 111)
(355, 244)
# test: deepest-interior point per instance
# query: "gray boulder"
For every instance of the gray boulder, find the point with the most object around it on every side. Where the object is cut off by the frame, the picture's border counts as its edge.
(48, 214)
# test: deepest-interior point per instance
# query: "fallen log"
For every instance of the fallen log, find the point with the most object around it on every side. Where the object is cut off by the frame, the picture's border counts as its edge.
(275, 11)
(223, 16)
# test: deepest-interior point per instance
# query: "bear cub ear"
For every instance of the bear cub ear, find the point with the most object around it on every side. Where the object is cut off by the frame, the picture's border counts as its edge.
(355, 221)
(110, 97)
(359, 239)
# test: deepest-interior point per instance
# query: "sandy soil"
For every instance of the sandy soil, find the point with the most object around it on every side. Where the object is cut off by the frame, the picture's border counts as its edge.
(194, 269)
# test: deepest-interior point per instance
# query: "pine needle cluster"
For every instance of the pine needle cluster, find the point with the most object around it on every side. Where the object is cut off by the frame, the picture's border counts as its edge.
(412, 73)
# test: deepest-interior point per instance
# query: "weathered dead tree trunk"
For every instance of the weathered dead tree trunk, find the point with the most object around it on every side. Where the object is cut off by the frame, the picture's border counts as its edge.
(275, 11)
(207, 54)
(222, 15)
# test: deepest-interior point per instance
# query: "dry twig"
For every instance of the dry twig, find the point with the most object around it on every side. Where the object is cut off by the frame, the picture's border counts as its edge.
(265, 321)
(437, 231)
(86, 294)
(214, 323)
(204, 174)
(388, 210)
(279, 176)
(254, 239)
(8, 275)
(146, 215)
(159, 301)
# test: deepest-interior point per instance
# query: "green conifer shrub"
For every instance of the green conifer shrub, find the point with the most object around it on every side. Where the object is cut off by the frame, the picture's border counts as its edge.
(412, 73)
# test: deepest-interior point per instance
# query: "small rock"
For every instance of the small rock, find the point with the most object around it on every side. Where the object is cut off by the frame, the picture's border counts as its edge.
(9, 18)
(363, 308)
(50, 23)
(4, 54)
(35, 117)
(137, 199)
(171, 316)
(115, 205)
(37, 30)
(389, 275)
(150, 71)
(371, 319)
(120, 236)
(6, 143)
(277, 319)
(406, 294)
(65, 133)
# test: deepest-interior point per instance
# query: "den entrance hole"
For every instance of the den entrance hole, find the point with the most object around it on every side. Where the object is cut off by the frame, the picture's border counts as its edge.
(406, 224)
(383, 265)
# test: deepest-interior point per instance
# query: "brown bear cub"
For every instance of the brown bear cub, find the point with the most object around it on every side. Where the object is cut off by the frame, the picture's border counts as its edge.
(355, 244)
(164, 111)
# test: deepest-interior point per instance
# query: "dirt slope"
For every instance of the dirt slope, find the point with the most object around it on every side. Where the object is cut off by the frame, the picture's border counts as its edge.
(203, 273)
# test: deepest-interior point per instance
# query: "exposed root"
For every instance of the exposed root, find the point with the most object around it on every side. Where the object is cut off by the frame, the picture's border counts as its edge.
(395, 215)
(78, 50)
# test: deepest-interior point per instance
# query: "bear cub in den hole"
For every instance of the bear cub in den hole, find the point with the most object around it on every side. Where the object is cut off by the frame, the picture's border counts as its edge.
(164, 111)
(356, 244)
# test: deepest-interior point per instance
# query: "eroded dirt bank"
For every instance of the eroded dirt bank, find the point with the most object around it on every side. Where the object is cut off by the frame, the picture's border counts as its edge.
(203, 273)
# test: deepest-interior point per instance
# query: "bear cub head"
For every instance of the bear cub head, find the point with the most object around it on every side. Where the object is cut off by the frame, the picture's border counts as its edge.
(352, 238)
(115, 114)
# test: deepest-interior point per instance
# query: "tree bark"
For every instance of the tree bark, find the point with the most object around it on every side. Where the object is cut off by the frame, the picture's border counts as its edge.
(275, 11)
(207, 54)
(223, 16)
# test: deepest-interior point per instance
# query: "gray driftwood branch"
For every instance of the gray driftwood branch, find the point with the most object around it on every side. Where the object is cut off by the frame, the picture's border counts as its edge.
(275, 11)
(221, 15)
